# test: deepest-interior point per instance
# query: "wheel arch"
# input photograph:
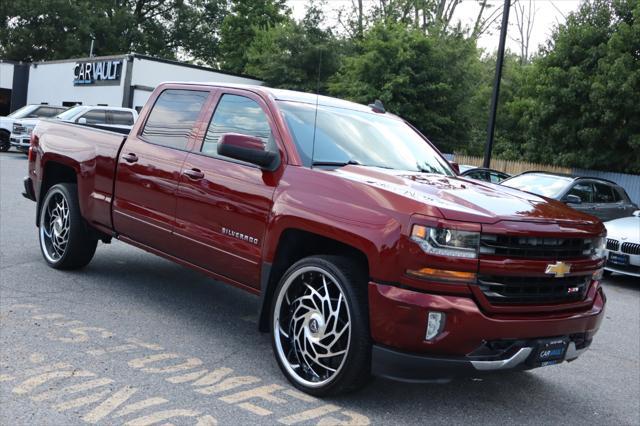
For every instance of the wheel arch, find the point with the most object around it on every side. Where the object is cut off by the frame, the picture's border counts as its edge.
(53, 173)
(294, 244)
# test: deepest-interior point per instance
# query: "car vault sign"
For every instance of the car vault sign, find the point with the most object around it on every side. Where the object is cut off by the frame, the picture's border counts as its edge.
(97, 73)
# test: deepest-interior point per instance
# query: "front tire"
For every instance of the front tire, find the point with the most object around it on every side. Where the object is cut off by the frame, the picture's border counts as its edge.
(5, 144)
(65, 241)
(320, 327)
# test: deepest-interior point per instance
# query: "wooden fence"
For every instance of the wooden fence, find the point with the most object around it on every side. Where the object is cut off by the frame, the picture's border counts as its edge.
(509, 166)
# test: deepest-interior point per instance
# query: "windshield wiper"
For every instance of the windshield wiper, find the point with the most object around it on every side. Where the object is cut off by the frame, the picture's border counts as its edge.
(336, 163)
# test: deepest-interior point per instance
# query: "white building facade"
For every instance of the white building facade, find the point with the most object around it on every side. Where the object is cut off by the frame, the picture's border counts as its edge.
(123, 80)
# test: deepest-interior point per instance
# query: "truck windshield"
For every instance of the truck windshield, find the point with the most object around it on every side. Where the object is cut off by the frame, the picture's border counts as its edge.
(345, 136)
(22, 112)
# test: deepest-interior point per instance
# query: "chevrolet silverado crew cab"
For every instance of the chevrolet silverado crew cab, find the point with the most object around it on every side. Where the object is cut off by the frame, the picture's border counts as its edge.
(368, 253)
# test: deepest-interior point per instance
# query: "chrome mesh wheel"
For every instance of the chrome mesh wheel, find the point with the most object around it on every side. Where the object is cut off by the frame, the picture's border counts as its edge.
(312, 326)
(55, 227)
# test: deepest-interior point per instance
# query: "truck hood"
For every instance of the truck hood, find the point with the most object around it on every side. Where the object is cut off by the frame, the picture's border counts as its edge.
(28, 122)
(464, 199)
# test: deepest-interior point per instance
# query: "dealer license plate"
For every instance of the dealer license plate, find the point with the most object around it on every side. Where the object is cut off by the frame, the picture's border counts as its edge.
(551, 351)
(619, 259)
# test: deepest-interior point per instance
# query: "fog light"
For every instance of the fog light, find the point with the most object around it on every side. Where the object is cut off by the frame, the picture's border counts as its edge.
(597, 275)
(435, 324)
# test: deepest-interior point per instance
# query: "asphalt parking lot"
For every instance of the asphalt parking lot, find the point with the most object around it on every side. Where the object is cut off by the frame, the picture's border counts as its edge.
(134, 339)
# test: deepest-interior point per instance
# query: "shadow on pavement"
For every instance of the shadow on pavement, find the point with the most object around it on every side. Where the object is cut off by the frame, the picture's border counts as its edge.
(199, 301)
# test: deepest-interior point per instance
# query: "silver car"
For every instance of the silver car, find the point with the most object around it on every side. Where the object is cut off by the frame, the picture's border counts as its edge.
(623, 245)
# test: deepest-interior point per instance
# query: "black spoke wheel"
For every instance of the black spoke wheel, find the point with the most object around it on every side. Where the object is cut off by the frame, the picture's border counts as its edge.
(320, 325)
(65, 241)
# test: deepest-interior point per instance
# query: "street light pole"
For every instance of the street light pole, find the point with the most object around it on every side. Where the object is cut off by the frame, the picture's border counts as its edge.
(496, 84)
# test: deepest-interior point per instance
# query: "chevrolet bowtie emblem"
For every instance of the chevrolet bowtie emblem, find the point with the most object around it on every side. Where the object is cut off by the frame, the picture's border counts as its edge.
(559, 269)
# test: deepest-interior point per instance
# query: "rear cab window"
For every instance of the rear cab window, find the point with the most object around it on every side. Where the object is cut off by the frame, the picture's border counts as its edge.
(172, 119)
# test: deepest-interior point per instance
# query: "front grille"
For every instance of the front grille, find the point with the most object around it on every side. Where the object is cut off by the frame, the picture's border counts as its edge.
(500, 290)
(612, 244)
(630, 248)
(535, 247)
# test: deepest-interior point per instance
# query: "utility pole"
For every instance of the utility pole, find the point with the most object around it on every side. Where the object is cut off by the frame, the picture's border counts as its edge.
(496, 84)
(91, 48)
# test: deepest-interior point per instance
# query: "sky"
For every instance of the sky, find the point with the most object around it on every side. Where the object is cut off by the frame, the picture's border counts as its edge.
(547, 14)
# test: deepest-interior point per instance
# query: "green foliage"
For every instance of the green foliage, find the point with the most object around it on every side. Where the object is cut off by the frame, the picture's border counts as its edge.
(578, 103)
(426, 79)
(292, 55)
(35, 30)
(240, 26)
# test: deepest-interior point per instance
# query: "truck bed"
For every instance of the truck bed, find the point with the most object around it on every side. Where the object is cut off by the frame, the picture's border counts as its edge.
(93, 153)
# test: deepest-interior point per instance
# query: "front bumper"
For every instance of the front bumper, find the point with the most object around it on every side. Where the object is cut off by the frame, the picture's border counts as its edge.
(417, 368)
(471, 341)
(632, 268)
(21, 143)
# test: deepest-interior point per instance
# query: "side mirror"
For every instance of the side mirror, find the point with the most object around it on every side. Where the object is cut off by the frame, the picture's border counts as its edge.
(249, 149)
(455, 166)
(572, 199)
(82, 120)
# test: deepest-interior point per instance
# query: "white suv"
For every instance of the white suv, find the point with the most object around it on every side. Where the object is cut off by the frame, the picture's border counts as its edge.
(26, 112)
(109, 118)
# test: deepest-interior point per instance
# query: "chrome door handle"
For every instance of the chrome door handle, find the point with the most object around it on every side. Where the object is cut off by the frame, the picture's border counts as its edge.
(130, 157)
(193, 174)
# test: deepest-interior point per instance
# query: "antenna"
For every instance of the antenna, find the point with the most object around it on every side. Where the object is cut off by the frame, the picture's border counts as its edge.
(315, 118)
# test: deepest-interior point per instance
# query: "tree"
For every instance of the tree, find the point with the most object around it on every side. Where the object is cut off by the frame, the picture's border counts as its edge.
(34, 30)
(426, 79)
(525, 19)
(239, 28)
(300, 56)
(581, 97)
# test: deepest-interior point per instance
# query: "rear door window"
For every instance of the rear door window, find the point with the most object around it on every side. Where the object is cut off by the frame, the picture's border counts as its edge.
(584, 190)
(604, 193)
(172, 119)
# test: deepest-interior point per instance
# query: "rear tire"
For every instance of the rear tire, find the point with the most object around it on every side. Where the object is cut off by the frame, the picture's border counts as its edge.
(65, 240)
(320, 325)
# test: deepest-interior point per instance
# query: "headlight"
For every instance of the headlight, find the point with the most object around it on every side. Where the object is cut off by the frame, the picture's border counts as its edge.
(446, 242)
(598, 246)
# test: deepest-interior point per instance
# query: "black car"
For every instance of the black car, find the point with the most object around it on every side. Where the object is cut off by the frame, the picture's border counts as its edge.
(487, 175)
(598, 197)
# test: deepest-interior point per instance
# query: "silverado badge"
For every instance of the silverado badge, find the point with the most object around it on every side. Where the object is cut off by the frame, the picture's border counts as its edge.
(559, 269)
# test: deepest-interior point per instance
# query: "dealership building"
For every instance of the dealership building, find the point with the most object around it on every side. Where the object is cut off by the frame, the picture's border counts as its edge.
(123, 80)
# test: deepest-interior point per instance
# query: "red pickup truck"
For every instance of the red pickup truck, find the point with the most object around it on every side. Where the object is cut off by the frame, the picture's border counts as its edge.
(369, 253)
